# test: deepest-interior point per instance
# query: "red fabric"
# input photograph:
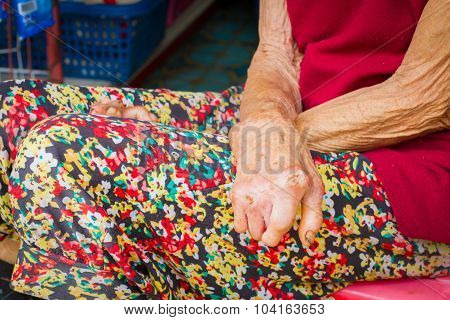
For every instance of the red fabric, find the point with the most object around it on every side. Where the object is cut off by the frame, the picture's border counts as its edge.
(352, 44)
(416, 178)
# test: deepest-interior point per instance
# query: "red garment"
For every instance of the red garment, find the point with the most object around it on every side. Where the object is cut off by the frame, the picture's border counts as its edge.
(352, 44)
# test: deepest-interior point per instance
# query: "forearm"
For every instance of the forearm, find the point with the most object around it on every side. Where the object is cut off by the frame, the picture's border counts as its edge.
(272, 84)
(374, 117)
(414, 102)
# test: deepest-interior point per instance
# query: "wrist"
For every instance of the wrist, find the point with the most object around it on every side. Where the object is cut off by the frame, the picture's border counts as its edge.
(255, 111)
(272, 83)
(273, 50)
(256, 125)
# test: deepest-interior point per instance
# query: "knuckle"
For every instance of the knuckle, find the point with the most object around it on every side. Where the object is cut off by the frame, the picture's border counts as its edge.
(298, 177)
(305, 181)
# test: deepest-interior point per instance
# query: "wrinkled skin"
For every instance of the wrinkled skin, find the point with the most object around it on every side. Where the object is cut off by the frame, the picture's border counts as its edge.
(275, 175)
(274, 169)
(412, 103)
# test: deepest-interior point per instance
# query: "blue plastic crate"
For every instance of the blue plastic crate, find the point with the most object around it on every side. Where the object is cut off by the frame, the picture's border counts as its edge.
(2, 12)
(110, 42)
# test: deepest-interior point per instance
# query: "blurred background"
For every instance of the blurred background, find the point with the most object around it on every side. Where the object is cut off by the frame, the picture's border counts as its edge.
(192, 45)
(188, 45)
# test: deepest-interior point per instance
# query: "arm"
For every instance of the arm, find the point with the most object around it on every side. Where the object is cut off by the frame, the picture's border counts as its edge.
(272, 83)
(274, 170)
(413, 102)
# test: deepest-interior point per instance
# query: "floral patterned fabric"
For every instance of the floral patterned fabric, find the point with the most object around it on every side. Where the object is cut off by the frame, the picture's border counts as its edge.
(110, 208)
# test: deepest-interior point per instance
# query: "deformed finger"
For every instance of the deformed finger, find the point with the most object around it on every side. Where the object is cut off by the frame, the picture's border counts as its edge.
(257, 214)
(281, 219)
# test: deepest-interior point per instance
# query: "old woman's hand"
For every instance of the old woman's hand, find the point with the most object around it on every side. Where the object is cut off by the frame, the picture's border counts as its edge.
(275, 175)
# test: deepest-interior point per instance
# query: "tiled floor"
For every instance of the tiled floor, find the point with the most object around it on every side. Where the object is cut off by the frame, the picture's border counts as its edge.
(215, 57)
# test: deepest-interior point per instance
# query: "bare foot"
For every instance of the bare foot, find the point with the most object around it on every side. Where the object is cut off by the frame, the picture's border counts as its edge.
(9, 250)
(108, 108)
(118, 109)
(138, 113)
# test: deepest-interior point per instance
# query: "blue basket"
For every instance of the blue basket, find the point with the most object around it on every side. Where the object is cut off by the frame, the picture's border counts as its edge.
(2, 12)
(110, 42)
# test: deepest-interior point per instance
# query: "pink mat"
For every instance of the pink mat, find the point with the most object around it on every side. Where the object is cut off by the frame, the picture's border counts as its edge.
(405, 289)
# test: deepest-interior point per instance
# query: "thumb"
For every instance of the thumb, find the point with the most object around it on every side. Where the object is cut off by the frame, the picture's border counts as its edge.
(312, 216)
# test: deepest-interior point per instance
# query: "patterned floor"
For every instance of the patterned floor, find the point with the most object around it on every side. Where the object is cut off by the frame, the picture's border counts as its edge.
(215, 57)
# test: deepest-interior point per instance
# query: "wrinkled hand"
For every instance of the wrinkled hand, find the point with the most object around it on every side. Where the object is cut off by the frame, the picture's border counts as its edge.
(274, 175)
(118, 109)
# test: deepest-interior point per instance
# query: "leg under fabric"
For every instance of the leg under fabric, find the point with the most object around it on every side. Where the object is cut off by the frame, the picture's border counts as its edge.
(126, 209)
(23, 103)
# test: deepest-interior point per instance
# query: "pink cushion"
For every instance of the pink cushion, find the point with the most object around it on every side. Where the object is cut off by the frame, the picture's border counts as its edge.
(404, 289)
